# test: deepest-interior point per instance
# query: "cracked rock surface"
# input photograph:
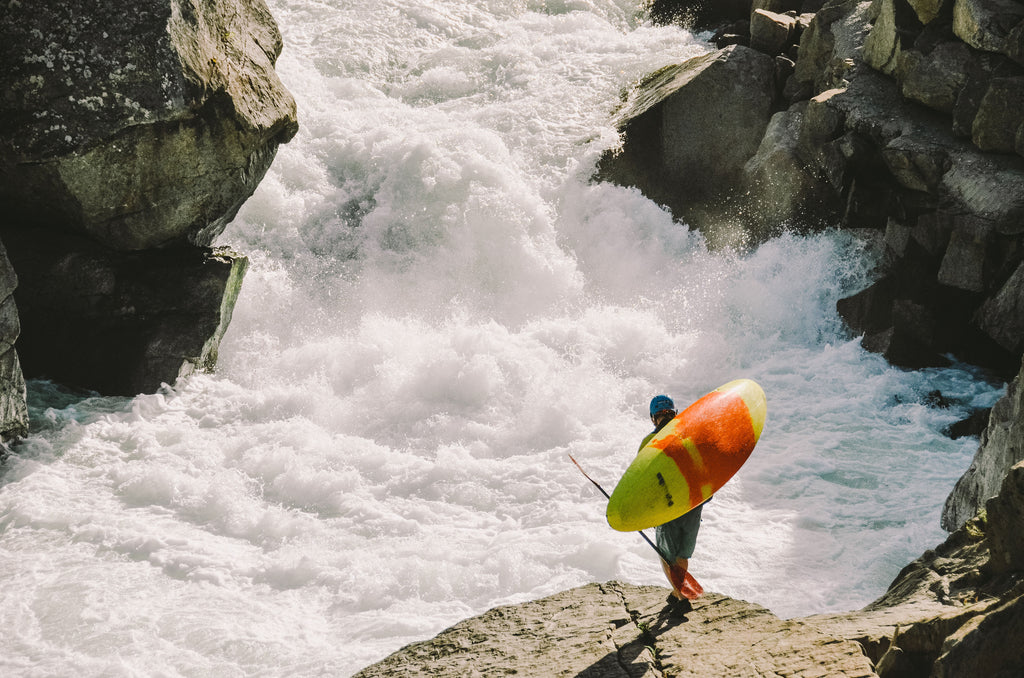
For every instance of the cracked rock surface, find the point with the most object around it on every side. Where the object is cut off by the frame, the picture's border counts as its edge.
(614, 630)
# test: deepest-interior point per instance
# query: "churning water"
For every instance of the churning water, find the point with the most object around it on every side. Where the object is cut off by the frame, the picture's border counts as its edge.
(440, 309)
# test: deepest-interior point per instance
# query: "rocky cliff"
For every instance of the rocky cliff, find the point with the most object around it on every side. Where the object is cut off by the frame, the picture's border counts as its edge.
(130, 135)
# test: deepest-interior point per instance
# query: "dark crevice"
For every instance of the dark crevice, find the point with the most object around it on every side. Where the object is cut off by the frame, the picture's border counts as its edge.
(646, 640)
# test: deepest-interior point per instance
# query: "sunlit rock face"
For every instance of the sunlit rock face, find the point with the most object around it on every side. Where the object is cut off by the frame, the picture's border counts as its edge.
(130, 135)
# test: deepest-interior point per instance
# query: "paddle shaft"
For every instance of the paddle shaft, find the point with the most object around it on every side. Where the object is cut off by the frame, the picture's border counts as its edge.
(598, 486)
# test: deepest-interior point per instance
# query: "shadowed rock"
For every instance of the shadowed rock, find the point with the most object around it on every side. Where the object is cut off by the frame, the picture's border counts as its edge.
(121, 323)
(952, 608)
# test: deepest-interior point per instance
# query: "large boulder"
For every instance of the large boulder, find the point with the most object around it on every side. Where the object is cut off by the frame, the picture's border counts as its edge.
(121, 323)
(833, 44)
(991, 25)
(141, 124)
(937, 78)
(1000, 116)
(689, 129)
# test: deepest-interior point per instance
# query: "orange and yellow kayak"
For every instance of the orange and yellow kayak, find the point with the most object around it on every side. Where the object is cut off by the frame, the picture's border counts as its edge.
(691, 458)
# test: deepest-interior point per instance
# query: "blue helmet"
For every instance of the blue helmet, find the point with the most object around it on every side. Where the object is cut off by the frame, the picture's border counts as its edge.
(660, 403)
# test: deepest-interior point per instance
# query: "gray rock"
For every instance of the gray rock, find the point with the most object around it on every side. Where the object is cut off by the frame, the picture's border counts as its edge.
(1000, 116)
(935, 79)
(777, 178)
(142, 123)
(883, 47)
(948, 609)
(990, 187)
(989, 25)
(715, 118)
(833, 44)
(916, 162)
(770, 32)
(1002, 447)
(967, 256)
(1001, 317)
(897, 237)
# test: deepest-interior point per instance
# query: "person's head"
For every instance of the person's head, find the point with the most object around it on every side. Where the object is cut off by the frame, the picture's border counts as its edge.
(662, 410)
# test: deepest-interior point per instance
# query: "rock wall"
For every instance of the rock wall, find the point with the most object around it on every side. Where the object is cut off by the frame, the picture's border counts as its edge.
(1002, 446)
(890, 117)
(130, 135)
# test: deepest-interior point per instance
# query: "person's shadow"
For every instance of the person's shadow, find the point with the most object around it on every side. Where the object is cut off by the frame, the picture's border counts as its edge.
(634, 658)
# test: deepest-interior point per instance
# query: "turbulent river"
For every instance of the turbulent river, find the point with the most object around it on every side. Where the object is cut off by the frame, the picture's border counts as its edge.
(440, 308)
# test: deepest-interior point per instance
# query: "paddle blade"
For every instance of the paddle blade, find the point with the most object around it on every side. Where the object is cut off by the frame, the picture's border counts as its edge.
(683, 583)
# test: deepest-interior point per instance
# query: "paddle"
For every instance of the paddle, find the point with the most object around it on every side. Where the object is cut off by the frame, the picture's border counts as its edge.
(682, 581)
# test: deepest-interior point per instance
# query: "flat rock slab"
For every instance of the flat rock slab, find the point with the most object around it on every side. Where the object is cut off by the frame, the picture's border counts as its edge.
(620, 630)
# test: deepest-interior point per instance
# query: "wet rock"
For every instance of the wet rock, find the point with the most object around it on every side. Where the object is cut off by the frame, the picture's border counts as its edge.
(1002, 447)
(689, 129)
(973, 425)
(777, 179)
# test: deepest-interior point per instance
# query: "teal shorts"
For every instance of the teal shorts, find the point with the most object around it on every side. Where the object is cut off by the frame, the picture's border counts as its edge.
(678, 538)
